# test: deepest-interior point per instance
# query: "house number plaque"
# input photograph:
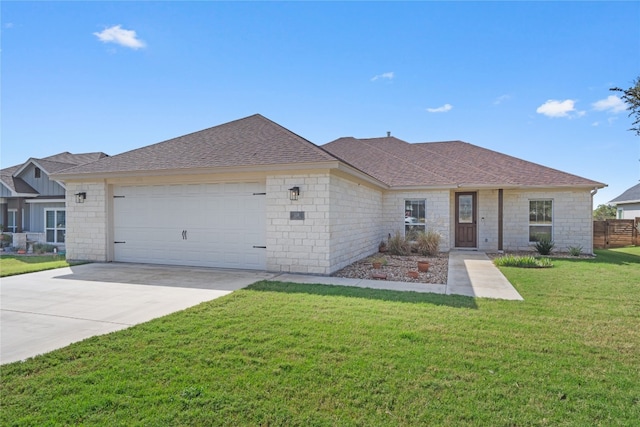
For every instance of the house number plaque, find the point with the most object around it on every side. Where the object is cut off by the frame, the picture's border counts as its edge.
(296, 215)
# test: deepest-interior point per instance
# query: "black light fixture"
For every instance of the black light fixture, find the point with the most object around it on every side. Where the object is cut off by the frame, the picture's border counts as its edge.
(81, 197)
(294, 193)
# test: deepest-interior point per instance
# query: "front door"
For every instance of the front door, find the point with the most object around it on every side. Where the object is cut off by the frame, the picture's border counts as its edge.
(466, 233)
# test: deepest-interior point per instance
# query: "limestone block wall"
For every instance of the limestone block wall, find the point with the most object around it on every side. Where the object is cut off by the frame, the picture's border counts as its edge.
(86, 237)
(572, 218)
(355, 218)
(487, 220)
(296, 245)
(437, 212)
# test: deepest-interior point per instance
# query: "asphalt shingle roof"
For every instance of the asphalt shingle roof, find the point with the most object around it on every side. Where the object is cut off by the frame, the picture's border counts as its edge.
(251, 141)
(399, 163)
(630, 195)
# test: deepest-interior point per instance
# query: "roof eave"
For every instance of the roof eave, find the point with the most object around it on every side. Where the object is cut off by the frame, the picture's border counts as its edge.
(331, 164)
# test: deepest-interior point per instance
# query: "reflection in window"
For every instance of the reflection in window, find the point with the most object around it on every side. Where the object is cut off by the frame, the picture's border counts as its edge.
(414, 217)
(540, 220)
(55, 225)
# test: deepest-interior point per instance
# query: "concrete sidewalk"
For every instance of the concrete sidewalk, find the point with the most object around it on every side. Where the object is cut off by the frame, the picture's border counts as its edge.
(471, 273)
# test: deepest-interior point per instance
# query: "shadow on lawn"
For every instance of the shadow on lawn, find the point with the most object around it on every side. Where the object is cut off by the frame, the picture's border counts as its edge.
(456, 301)
(608, 256)
(34, 259)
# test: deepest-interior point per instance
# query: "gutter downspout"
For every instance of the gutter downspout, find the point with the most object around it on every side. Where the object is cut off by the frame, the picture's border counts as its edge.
(593, 193)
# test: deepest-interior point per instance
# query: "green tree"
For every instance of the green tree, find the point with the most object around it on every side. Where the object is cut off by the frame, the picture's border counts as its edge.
(603, 212)
(632, 97)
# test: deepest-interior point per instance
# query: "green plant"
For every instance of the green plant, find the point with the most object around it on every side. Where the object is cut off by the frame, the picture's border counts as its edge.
(6, 240)
(428, 243)
(575, 250)
(43, 248)
(398, 245)
(379, 260)
(544, 246)
(522, 262)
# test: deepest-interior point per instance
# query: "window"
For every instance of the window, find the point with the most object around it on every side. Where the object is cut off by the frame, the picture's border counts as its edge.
(620, 213)
(55, 225)
(11, 221)
(414, 217)
(37, 173)
(540, 220)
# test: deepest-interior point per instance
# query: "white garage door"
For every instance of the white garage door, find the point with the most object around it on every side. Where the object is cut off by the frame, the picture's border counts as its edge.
(211, 225)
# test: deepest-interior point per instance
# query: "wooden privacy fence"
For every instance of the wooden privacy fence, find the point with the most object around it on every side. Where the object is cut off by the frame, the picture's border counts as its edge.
(615, 233)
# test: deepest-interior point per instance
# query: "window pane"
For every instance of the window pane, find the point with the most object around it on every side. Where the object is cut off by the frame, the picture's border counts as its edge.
(465, 209)
(539, 232)
(11, 220)
(61, 219)
(60, 236)
(414, 211)
(50, 221)
(50, 236)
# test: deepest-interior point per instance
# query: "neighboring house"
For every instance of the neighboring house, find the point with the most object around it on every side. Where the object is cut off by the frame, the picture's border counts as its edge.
(628, 203)
(34, 204)
(252, 194)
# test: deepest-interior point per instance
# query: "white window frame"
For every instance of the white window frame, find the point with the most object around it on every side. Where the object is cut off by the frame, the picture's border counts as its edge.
(543, 224)
(55, 228)
(14, 227)
(420, 221)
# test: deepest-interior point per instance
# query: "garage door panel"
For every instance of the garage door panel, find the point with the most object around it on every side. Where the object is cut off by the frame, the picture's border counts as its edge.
(222, 222)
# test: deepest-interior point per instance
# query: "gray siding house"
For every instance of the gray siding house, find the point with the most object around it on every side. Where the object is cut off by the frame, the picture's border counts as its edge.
(628, 203)
(32, 205)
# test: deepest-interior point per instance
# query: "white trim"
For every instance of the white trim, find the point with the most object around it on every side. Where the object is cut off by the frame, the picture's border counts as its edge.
(540, 225)
(55, 228)
(62, 199)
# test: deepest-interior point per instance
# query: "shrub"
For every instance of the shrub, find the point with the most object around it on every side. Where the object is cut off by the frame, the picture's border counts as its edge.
(42, 248)
(522, 262)
(428, 243)
(545, 246)
(398, 245)
(575, 250)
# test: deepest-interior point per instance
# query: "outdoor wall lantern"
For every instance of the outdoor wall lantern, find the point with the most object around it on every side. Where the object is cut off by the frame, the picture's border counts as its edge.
(81, 197)
(294, 193)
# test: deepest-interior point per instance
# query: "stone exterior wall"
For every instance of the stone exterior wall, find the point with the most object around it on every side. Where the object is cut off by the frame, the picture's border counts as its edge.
(487, 220)
(355, 219)
(293, 245)
(437, 212)
(572, 218)
(87, 223)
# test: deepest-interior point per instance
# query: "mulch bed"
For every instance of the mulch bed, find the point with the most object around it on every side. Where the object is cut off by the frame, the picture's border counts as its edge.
(397, 269)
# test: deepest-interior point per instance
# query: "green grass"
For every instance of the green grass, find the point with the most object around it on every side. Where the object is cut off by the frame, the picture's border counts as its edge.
(19, 264)
(293, 354)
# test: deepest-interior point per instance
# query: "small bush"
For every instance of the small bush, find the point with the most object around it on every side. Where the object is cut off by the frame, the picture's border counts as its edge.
(398, 245)
(545, 246)
(42, 248)
(428, 243)
(522, 262)
(575, 250)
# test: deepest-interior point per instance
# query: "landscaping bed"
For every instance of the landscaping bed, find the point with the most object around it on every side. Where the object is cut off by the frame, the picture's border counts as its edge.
(397, 269)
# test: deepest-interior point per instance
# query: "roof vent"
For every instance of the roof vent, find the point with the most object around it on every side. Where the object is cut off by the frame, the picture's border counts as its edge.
(388, 134)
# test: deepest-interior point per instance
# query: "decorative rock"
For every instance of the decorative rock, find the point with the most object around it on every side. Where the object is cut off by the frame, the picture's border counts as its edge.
(379, 276)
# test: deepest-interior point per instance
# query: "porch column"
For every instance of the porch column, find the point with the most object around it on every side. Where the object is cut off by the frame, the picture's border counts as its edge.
(19, 215)
(500, 200)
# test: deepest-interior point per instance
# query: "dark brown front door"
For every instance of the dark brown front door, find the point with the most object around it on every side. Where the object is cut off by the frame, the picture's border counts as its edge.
(466, 220)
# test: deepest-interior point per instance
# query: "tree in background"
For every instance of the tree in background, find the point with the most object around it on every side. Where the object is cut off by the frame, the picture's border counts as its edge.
(603, 212)
(632, 98)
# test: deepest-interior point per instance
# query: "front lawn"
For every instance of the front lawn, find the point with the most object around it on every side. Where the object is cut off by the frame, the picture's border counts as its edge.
(20, 264)
(292, 354)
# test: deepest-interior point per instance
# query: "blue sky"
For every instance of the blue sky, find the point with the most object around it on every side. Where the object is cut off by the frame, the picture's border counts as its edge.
(527, 79)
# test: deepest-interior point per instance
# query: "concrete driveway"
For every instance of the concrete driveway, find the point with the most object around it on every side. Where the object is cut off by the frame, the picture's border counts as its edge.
(40, 312)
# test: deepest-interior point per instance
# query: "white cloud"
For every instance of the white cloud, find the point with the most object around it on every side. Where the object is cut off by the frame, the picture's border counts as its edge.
(555, 108)
(612, 104)
(117, 35)
(443, 109)
(388, 76)
(503, 98)
(8, 25)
